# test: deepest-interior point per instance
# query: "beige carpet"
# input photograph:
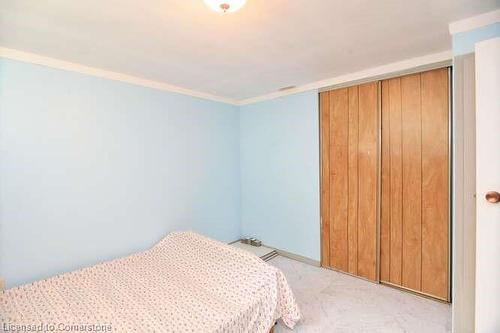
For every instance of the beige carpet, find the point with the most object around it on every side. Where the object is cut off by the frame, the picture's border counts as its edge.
(334, 302)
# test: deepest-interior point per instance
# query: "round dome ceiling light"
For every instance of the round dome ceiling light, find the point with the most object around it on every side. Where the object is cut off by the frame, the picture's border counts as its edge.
(223, 6)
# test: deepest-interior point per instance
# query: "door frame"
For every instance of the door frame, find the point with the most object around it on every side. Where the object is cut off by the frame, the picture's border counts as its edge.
(464, 189)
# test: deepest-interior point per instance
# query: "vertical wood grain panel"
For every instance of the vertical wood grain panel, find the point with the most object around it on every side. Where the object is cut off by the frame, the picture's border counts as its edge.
(352, 218)
(412, 177)
(367, 181)
(385, 219)
(396, 181)
(339, 117)
(325, 177)
(351, 158)
(415, 175)
(435, 183)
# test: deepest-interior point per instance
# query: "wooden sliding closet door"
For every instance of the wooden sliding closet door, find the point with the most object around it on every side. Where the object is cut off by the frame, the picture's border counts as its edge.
(414, 230)
(349, 168)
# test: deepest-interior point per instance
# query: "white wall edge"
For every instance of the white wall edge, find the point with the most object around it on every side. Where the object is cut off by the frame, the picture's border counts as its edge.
(374, 72)
(474, 22)
(110, 75)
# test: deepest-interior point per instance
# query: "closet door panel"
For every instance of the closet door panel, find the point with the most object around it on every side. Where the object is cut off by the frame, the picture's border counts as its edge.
(339, 118)
(349, 152)
(415, 175)
(352, 214)
(435, 183)
(367, 178)
(325, 177)
(412, 186)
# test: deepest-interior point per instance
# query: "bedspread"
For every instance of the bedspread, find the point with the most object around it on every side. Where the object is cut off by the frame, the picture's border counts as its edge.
(185, 283)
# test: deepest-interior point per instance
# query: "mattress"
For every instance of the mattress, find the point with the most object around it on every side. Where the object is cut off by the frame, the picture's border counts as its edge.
(185, 283)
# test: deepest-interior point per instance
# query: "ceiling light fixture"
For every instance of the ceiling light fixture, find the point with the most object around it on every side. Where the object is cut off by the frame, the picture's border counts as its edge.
(224, 6)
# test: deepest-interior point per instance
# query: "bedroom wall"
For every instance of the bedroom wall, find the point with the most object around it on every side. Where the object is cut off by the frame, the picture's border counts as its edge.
(464, 42)
(93, 169)
(280, 173)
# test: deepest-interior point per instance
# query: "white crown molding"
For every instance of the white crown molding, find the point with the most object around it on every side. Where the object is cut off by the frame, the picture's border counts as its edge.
(102, 73)
(474, 22)
(371, 73)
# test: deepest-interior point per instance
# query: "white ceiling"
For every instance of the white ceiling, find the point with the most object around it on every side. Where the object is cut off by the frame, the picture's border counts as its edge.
(267, 45)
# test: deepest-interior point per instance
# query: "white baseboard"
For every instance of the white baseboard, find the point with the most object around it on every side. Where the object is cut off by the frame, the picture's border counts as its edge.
(297, 257)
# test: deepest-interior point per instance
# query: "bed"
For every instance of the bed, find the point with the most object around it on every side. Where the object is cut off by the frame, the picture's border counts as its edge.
(185, 283)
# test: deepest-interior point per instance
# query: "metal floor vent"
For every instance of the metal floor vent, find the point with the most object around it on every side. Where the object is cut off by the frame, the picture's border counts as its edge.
(264, 252)
(269, 256)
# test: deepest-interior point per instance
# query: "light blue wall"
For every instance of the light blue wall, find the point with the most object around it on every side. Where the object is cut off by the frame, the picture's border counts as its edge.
(92, 169)
(279, 150)
(464, 42)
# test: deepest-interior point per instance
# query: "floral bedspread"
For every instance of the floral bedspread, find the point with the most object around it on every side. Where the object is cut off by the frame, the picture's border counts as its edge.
(185, 283)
